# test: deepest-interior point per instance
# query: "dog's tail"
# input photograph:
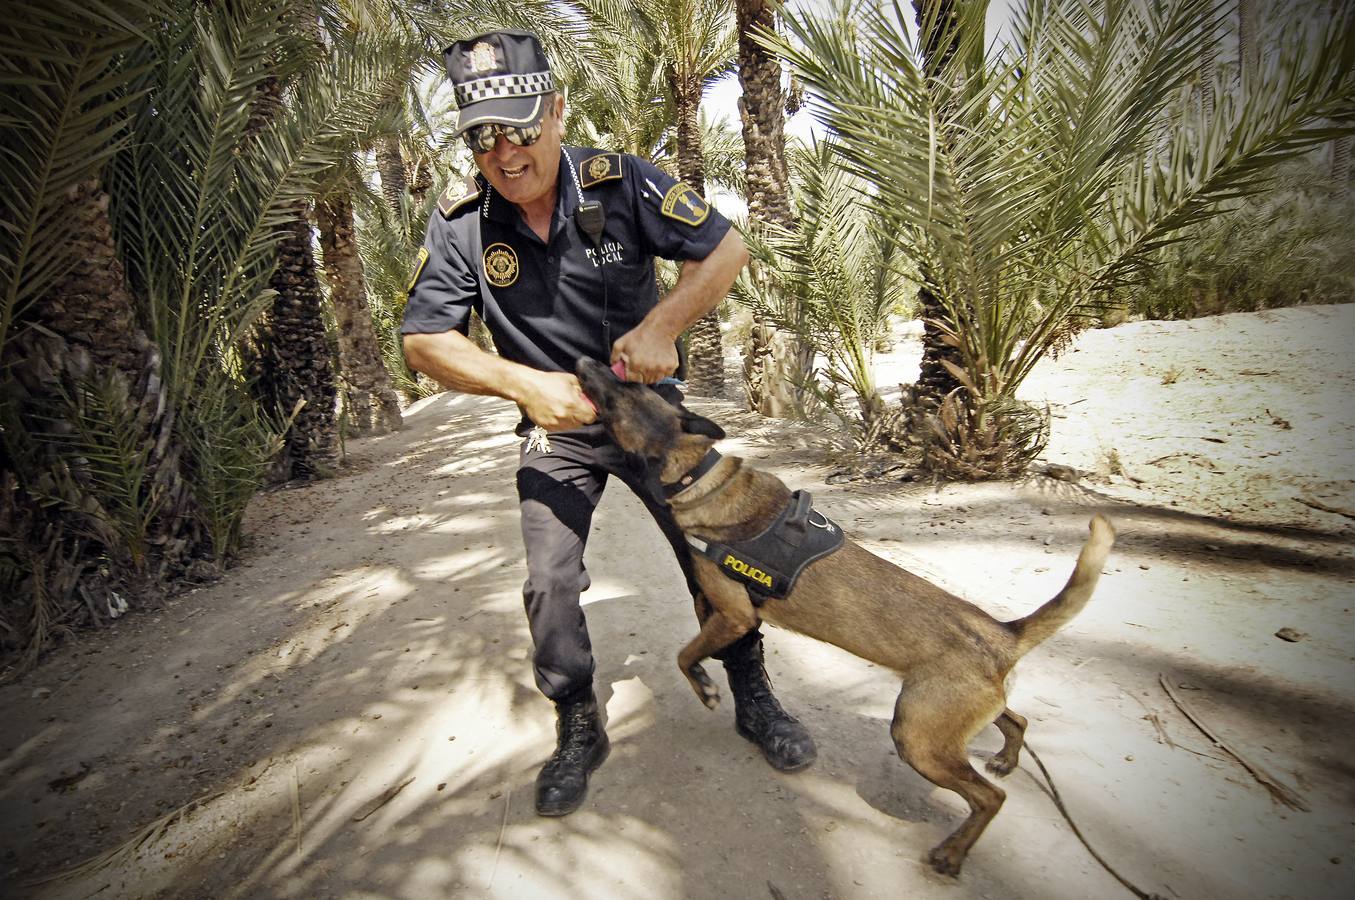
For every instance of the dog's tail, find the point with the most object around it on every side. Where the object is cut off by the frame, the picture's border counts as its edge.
(1058, 612)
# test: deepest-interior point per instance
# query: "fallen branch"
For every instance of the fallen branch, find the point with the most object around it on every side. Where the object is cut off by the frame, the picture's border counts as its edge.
(1153, 719)
(381, 801)
(1063, 810)
(128, 848)
(1318, 504)
(499, 845)
(296, 808)
(1277, 790)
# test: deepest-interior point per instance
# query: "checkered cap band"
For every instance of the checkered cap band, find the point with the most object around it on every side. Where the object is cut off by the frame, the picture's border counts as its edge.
(495, 87)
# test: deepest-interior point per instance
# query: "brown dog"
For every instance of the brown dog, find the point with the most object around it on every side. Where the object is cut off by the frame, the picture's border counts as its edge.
(953, 657)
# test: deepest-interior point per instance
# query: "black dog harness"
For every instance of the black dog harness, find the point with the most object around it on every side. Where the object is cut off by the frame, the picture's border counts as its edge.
(770, 563)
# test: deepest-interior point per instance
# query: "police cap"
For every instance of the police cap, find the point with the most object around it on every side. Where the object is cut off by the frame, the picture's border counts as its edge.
(499, 77)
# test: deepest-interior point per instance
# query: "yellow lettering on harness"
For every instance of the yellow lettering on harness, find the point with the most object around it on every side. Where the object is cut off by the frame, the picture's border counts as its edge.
(738, 565)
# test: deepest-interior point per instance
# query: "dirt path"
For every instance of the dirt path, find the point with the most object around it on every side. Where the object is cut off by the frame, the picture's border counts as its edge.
(374, 634)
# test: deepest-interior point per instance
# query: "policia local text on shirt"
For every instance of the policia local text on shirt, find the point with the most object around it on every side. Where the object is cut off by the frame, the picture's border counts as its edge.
(554, 247)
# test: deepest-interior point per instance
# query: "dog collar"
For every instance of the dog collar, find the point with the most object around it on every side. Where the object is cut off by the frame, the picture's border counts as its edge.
(690, 477)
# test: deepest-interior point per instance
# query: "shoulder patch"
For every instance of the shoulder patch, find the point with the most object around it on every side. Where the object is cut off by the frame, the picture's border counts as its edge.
(418, 269)
(597, 169)
(457, 196)
(685, 204)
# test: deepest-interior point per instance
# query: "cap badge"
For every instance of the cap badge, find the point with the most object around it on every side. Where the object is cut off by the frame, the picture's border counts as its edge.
(482, 58)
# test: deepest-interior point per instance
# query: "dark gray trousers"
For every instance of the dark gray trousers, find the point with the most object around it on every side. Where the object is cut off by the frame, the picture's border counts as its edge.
(557, 494)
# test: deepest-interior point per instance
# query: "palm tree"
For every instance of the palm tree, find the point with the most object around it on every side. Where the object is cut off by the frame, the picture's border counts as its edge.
(635, 113)
(369, 398)
(939, 41)
(776, 364)
(291, 367)
(148, 206)
(833, 279)
(1069, 158)
(371, 401)
(93, 464)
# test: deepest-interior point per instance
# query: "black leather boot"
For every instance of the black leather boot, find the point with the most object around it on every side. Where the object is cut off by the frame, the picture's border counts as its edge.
(581, 746)
(759, 717)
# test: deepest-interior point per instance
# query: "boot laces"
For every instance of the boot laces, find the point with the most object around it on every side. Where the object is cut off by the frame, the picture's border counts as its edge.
(576, 729)
(756, 688)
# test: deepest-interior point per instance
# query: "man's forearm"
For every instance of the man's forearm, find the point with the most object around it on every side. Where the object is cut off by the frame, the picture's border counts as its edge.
(551, 400)
(453, 361)
(700, 287)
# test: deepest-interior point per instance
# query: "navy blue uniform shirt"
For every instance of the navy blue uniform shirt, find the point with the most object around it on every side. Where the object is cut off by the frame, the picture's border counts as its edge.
(543, 301)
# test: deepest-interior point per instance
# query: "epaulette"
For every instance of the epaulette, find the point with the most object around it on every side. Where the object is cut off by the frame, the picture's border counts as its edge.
(596, 169)
(457, 196)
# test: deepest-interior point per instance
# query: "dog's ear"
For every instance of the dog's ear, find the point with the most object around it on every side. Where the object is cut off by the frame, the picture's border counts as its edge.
(694, 424)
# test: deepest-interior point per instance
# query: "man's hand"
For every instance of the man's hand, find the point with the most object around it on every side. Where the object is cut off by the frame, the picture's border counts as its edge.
(555, 401)
(647, 349)
(649, 354)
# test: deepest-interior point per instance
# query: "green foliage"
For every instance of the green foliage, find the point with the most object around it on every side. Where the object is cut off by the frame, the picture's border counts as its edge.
(641, 48)
(64, 97)
(1290, 246)
(834, 281)
(389, 243)
(230, 444)
(1031, 181)
(103, 461)
(722, 152)
(243, 118)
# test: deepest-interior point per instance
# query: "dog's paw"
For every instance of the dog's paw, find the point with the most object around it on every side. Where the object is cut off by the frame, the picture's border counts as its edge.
(1000, 766)
(704, 687)
(945, 861)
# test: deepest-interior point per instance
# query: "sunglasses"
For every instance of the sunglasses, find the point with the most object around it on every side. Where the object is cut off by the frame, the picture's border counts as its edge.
(481, 138)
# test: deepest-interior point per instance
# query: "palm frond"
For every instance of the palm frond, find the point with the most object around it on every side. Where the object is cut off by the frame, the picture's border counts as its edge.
(833, 280)
(1052, 172)
(65, 111)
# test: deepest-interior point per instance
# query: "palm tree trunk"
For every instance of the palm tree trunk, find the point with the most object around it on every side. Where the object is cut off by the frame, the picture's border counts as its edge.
(288, 357)
(87, 339)
(705, 348)
(1340, 165)
(1248, 41)
(391, 164)
(293, 364)
(93, 313)
(422, 182)
(1341, 147)
(373, 406)
(936, 18)
(774, 361)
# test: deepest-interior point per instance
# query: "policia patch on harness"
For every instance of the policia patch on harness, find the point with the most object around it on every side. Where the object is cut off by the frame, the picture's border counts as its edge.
(770, 563)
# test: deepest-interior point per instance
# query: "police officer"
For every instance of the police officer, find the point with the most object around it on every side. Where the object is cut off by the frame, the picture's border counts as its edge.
(554, 247)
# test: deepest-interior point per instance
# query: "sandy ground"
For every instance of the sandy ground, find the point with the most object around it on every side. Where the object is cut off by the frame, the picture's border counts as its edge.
(240, 741)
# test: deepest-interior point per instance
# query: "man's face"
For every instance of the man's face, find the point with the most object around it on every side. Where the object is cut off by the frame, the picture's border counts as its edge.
(525, 175)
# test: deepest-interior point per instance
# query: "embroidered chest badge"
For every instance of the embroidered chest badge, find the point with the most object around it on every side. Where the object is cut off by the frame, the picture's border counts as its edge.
(501, 265)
